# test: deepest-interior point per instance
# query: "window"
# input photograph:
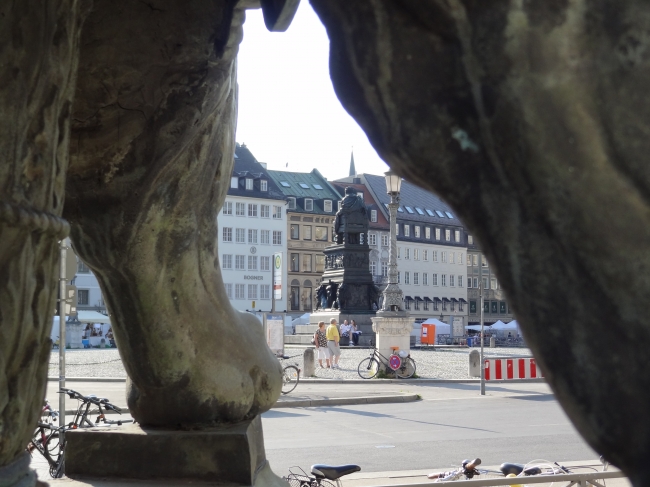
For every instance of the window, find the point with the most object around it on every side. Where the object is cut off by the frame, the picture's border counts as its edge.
(252, 210)
(493, 283)
(407, 304)
(451, 280)
(277, 237)
(483, 261)
(277, 212)
(309, 204)
(306, 263)
(435, 255)
(407, 230)
(460, 258)
(372, 239)
(291, 203)
(409, 209)
(294, 263)
(399, 277)
(321, 234)
(448, 235)
(240, 209)
(82, 268)
(475, 259)
(373, 267)
(434, 279)
(373, 216)
(451, 257)
(252, 262)
(469, 282)
(317, 186)
(425, 255)
(470, 240)
(443, 279)
(227, 208)
(486, 283)
(384, 240)
(82, 296)
(285, 184)
(265, 291)
(384, 269)
(416, 304)
(227, 234)
(294, 231)
(476, 282)
(234, 182)
(294, 298)
(437, 234)
(457, 235)
(427, 233)
(265, 211)
(425, 279)
(449, 215)
(226, 261)
(239, 291)
(320, 263)
(327, 206)
(249, 184)
(229, 291)
(264, 185)
(265, 263)
(426, 305)
(416, 231)
(451, 305)
(416, 254)
(399, 252)
(439, 213)
(240, 235)
(460, 306)
(443, 255)
(239, 262)
(460, 281)
(407, 254)
(306, 232)
(264, 236)
(252, 236)
(303, 185)
(416, 278)
(252, 291)
(419, 210)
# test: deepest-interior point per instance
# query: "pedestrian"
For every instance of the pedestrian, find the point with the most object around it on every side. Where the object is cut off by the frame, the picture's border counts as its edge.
(355, 333)
(320, 342)
(345, 332)
(332, 335)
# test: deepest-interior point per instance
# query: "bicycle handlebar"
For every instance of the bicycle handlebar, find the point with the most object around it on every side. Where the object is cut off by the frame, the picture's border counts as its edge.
(90, 399)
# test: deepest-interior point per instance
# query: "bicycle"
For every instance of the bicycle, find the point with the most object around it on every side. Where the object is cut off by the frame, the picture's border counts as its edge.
(321, 475)
(400, 363)
(44, 439)
(290, 375)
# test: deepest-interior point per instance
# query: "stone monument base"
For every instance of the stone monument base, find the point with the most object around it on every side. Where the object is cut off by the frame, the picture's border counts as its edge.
(363, 319)
(229, 454)
(393, 329)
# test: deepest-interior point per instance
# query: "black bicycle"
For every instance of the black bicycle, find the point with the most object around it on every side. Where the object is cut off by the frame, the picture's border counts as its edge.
(290, 375)
(321, 475)
(399, 363)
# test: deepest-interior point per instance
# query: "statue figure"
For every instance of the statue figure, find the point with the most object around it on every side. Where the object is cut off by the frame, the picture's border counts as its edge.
(321, 295)
(342, 296)
(332, 289)
(373, 297)
(352, 219)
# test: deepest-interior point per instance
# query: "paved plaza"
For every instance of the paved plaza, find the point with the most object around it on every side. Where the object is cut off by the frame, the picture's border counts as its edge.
(431, 364)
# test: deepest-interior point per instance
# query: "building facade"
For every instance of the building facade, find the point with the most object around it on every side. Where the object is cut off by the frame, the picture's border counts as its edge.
(311, 206)
(251, 229)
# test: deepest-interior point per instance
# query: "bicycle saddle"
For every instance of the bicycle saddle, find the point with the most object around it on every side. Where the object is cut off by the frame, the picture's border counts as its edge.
(517, 468)
(331, 472)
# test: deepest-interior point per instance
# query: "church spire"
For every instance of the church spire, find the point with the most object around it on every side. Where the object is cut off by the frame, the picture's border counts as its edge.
(353, 171)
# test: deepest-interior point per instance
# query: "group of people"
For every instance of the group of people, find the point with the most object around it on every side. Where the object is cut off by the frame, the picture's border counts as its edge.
(327, 341)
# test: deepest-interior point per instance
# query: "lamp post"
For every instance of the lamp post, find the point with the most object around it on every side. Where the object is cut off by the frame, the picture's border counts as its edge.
(393, 297)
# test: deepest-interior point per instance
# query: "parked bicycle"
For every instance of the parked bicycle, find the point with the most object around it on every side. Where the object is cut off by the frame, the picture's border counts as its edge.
(321, 475)
(49, 440)
(290, 375)
(399, 363)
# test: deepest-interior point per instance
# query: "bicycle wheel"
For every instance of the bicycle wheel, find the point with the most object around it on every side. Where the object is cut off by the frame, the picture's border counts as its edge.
(407, 369)
(290, 378)
(368, 368)
(52, 448)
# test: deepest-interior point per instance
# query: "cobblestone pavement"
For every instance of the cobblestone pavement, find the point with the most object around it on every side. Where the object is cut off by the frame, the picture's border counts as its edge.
(431, 364)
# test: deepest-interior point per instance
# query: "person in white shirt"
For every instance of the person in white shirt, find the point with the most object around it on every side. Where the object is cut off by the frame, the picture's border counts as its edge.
(346, 331)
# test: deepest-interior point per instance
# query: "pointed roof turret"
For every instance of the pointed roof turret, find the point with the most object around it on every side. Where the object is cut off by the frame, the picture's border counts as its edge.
(353, 171)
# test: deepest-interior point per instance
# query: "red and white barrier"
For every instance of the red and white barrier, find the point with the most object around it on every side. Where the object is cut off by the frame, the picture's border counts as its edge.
(511, 368)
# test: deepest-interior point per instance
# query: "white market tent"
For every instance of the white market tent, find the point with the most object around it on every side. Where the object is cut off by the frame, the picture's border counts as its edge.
(92, 317)
(442, 328)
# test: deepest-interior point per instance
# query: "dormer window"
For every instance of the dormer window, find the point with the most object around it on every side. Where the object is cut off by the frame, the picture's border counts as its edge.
(234, 182)
(264, 185)
(309, 204)
(327, 206)
(373, 216)
(249, 184)
(291, 203)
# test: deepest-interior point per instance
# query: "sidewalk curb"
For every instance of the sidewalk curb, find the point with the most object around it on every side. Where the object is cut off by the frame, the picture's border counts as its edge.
(346, 401)
(342, 381)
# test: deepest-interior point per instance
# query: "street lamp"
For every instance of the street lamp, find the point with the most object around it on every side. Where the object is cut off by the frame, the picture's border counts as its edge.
(393, 297)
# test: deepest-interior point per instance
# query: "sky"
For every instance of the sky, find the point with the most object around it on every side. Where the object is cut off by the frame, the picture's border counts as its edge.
(288, 112)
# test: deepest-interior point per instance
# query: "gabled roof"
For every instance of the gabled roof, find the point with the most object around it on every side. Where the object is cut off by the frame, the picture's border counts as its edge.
(302, 185)
(246, 166)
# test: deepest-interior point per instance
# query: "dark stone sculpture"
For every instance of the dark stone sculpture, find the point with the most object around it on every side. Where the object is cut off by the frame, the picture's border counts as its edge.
(351, 222)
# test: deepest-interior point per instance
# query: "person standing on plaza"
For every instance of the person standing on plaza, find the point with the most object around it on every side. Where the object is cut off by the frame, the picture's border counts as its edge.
(332, 335)
(320, 342)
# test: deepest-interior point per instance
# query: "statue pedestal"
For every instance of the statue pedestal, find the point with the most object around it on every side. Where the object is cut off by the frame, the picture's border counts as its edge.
(228, 454)
(73, 335)
(392, 329)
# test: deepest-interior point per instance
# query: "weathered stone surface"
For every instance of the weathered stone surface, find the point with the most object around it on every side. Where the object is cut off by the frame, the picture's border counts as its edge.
(152, 155)
(38, 54)
(532, 120)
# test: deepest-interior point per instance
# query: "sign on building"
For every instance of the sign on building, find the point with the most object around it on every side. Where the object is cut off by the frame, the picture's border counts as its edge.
(277, 276)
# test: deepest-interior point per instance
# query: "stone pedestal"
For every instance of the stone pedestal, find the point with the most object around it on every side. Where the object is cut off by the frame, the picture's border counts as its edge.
(73, 335)
(392, 329)
(229, 454)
